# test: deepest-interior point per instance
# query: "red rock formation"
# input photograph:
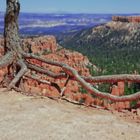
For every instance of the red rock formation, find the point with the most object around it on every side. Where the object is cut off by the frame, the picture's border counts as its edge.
(121, 86)
(115, 90)
(133, 19)
(48, 48)
(41, 44)
(119, 91)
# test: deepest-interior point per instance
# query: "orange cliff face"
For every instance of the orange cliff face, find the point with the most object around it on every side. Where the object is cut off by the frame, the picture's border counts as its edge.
(133, 19)
(47, 47)
(41, 44)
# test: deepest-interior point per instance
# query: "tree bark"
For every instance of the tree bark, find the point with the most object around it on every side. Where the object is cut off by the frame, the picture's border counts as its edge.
(11, 29)
(12, 46)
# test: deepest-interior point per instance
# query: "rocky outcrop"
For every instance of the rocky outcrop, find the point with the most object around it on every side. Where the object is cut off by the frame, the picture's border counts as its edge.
(134, 19)
(47, 47)
(41, 44)
(110, 35)
(118, 90)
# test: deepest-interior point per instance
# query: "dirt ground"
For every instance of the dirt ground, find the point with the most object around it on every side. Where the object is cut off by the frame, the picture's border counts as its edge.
(31, 118)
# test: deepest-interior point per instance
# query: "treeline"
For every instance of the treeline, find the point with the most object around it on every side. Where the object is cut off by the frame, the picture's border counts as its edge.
(112, 60)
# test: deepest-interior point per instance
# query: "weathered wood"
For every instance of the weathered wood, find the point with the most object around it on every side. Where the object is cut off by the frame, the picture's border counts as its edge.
(12, 45)
(11, 29)
(113, 78)
(19, 75)
(46, 72)
(74, 74)
(6, 60)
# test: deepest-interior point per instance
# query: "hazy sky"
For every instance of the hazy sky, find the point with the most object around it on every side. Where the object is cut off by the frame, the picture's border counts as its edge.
(78, 6)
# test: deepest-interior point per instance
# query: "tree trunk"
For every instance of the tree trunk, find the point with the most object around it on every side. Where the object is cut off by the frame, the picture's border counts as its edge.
(11, 35)
(12, 46)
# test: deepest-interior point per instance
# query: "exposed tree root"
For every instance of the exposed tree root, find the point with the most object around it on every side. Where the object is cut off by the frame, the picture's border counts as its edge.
(96, 92)
(113, 78)
(77, 103)
(74, 74)
(19, 75)
(46, 72)
(6, 60)
(96, 79)
(64, 88)
(51, 62)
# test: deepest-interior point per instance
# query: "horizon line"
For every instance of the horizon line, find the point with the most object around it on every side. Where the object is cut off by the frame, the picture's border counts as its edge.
(28, 12)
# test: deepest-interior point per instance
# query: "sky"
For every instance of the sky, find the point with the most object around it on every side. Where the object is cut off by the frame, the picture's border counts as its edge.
(78, 6)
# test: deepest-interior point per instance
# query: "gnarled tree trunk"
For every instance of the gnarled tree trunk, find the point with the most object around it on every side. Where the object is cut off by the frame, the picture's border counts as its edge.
(12, 47)
(11, 35)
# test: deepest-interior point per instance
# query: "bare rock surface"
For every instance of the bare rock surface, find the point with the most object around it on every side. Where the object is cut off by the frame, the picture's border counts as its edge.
(33, 118)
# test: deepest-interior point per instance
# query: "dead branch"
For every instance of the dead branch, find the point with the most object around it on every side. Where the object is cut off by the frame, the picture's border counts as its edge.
(78, 103)
(90, 79)
(73, 73)
(46, 72)
(19, 75)
(113, 78)
(32, 56)
(98, 93)
(64, 88)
